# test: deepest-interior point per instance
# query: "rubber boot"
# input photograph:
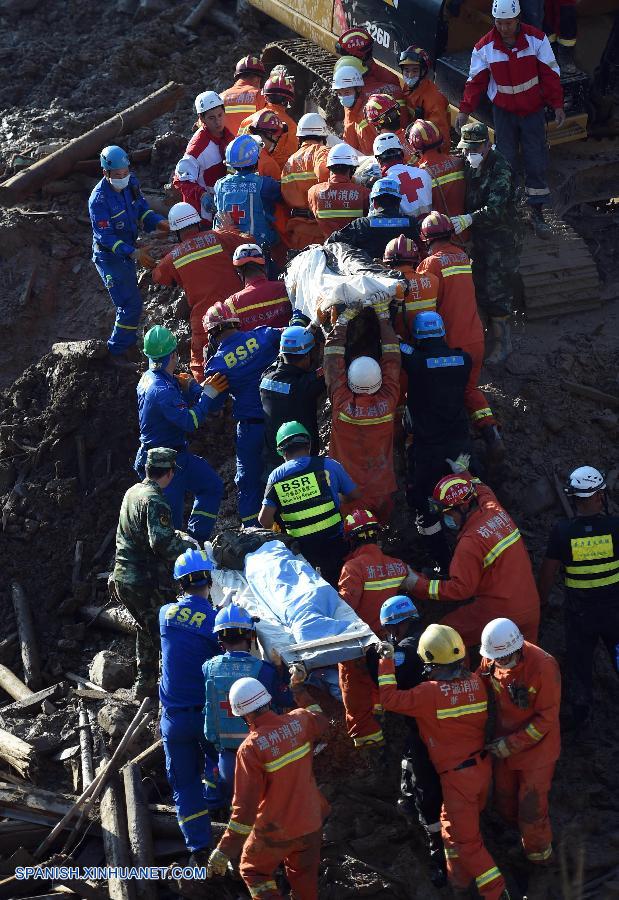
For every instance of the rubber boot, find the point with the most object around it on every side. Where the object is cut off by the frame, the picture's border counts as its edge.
(565, 58)
(501, 340)
(540, 225)
(436, 854)
(494, 444)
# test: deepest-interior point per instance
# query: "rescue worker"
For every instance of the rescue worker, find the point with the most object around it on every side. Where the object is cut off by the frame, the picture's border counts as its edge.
(348, 86)
(187, 641)
(291, 387)
(359, 43)
(385, 115)
(170, 407)
(450, 264)
(421, 293)
(260, 302)
(247, 198)
(587, 547)
(241, 358)
(203, 162)
(202, 265)
(527, 737)
(423, 98)
(514, 64)
(117, 211)
(493, 218)
(368, 577)
(278, 93)
(146, 539)
(490, 562)
(451, 708)
(364, 397)
(303, 496)
(415, 184)
(277, 810)
(436, 417)
(421, 797)
(267, 126)
(244, 98)
(561, 26)
(339, 200)
(384, 222)
(306, 167)
(445, 169)
(235, 630)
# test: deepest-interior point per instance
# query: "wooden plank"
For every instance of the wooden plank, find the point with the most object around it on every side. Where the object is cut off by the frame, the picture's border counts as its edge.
(583, 390)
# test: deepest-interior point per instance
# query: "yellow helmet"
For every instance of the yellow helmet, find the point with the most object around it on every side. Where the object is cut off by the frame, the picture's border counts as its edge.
(440, 645)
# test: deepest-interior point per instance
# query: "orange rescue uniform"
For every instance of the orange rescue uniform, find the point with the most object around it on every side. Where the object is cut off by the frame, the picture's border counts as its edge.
(287, 143)
(491, 564)
(532, 732)
(359, 133)
(268, 166)
(425, 101)
(452, 717)
(421, 296)
(277, 809)
(305, 168)
(457, 304)
(337, 202)
(448, 187)
(202, 266)
(362, 424)
(241, 100)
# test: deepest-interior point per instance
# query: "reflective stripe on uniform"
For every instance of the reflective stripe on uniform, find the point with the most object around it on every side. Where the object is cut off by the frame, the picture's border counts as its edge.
(315, 527)
(457, 270)
(496, 551)
(339, 213)
(451, 176)
(433, 586)
(299, 176)
(116, 215)
(532, 731)
(386, 679)
(263, 304)
(467, 709)
(199, 512)
(314, 707)
(203, 812)
(126, 327)
(195, 418)
(451, 853)
(541, 855)
(488, 876)
(481, 413)
(378, 421)
(246, 108)
(314, 511)
(239, 828)
(256, 890)
(197, 254)
(611, 567)
(287, 758)
(115, 245)
(391, 348)
(334, 351)
(249, 518)
(375, 738)
(383, 584)
(517, 88)
(414, 305)
(143, 216)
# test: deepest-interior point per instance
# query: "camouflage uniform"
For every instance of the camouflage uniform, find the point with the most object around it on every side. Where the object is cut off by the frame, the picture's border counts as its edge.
(146, 547)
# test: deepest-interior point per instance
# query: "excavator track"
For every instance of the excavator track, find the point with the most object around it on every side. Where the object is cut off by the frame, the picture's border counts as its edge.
(303, 53)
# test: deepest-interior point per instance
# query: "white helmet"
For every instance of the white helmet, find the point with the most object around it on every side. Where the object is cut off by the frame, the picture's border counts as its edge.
(500, 637)
(384, 142)
(246, 695)
(505, 9)
(182, 215)
(346, 77)
(206, 101)
(312, 123)
(364, 375)
(585, 482)
(342, 155)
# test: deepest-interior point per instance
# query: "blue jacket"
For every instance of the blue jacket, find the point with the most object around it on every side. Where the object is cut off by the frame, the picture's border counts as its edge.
(116, 218)
(187, 641)
(225, 731)
(250, 199)
(242, 358)
(167, 414)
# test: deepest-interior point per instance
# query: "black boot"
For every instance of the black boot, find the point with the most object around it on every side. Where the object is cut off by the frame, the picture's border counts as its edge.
(565, 58)
(539, 223)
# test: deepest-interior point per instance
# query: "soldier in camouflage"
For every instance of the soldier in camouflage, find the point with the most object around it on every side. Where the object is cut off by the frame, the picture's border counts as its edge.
(146, 547)
(496, 231)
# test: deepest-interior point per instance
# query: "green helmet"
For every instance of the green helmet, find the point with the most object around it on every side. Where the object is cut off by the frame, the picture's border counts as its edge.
(159, 341)
(291, 433)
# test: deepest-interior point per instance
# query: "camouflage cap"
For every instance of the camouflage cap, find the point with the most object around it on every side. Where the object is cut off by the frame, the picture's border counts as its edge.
(161, 457)
(473, 134)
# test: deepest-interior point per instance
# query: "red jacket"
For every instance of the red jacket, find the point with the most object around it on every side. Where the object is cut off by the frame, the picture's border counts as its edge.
(448, 187)
(368, 578)
(521, 80)
(457, 303)
(421, 296)
(287, 144)
(533, 733)
(201, 165)
(241, 100)
(261, 302)
(337, 202)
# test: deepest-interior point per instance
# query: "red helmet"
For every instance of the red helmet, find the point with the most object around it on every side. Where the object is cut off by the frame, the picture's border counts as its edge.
(402, 250)
(378, 107)
(423, 135)
(436, 225)
(279, 87)
(219, 316)
(267, 121)
(453, 490)
(355, 42)
(418, 55)
(360, 520)
(250, 65)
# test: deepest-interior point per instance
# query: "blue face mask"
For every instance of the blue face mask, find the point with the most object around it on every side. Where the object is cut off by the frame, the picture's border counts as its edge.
(347, 101)
(450, 522)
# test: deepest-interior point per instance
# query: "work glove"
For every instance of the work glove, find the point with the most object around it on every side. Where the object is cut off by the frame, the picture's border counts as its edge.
(411, 579)
(499, 748)
(164, 226)
(461, 119)
(461, 223)
(142, 257)
(299, 318)
(214, 385)
(297, 675)
(217, 864)
(460, 463)
(184, 380)
(386, 650)
(381, 307)
(519, 695)
(344, 316)
(560, 116)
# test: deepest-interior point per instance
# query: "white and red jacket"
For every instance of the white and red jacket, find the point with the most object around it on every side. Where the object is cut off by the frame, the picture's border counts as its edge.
(201, 166)
(416, 187)
(521, 79)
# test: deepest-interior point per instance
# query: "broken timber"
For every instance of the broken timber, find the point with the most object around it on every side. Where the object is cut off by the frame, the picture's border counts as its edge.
(27, 638)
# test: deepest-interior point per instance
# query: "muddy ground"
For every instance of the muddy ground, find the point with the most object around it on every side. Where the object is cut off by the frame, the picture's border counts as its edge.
(73, 65)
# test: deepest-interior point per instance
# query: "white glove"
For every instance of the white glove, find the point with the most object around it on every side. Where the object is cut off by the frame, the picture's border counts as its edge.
(499, 748)
(461, 223)
(386, 650)
(411, 580)
(460, 463)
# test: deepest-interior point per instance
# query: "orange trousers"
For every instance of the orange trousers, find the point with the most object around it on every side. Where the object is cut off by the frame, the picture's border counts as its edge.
(300, 856)
(469, 620)
(475, 400)
(464, 796)
(521, 798)
(199, 340)
(301, 232)
(361, 702)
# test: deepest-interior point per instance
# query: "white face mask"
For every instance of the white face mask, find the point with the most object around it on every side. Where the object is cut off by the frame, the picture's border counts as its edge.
(475, 160)
(411, 81)
(347, 101)
(119, 184)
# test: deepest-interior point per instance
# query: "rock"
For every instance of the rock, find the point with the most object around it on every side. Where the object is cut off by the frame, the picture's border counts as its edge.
(7, 476)
(537, 497)
(110, 671)
(114, 719)
(554, 423)
(85, 349)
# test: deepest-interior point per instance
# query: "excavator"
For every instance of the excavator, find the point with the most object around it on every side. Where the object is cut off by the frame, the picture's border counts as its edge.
(558, 275)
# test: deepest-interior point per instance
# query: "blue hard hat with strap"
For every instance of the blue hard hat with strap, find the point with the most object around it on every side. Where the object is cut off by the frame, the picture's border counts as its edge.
(194, 565)
(113, 157)
(233, 617)
(243, 152)
(296, 340)
(427, 325)
(384, 186)
(397, 609)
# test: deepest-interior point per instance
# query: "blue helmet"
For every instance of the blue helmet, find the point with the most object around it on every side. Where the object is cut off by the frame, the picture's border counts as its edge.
(428, 325)
(243, 152)
(396, 609)
(113, 158)
(389, 186)
(233, 617)
(296, 340)
(194, 565)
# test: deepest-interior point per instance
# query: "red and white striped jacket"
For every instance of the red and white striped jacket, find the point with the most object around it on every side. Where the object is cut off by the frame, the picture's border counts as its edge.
(521, 79)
